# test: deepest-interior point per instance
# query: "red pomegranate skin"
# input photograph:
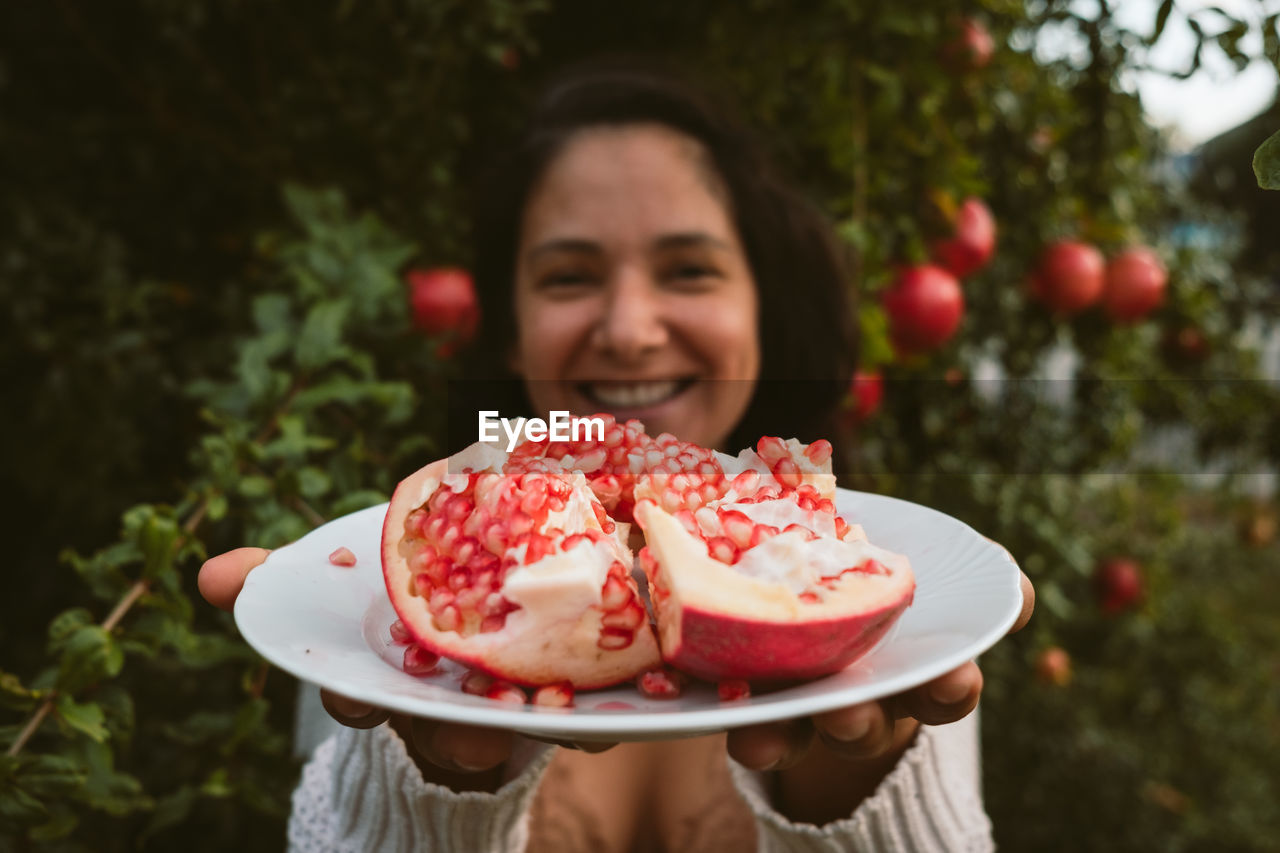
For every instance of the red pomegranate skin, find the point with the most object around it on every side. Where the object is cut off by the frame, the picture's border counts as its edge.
(973, 242)
(1135, 285)
(925, 306)
(443, 299)
(1070, 277)
(1119, 585)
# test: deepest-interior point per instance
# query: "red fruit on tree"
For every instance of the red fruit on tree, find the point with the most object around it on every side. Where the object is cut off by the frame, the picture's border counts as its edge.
(925, 306)
(973, 241)
(1070, 277)
(1053, 666)
(867, 390)
(972, 47)
(1118, 583)
(1135, 285)
(1185, 345)
(443, 301)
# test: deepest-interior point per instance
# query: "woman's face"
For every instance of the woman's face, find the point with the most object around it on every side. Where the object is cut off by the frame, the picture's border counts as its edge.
(633, 293)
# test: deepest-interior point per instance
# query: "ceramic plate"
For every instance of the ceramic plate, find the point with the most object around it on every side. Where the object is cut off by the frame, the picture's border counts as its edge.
(330, 626)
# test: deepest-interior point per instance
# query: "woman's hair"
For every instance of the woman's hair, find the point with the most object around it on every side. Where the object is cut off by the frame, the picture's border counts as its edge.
(807, 336)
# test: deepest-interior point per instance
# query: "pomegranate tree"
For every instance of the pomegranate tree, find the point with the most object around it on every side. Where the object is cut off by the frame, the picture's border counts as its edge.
(518, 565)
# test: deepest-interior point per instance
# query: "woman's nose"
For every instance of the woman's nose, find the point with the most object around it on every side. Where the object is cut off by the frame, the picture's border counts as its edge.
(633, 322)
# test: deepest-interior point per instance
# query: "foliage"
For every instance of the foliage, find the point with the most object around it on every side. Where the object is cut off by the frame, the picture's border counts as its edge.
(214, 352)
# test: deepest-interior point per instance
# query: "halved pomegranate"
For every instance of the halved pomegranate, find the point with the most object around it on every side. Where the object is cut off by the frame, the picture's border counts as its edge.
(515, 570)
(518, 565)
(769, 584)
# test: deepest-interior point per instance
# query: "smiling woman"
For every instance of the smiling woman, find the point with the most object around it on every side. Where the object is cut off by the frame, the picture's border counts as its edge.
(637, 255)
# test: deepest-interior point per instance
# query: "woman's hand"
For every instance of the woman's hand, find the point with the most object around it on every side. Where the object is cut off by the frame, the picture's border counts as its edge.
(858, 745)
(462, 757)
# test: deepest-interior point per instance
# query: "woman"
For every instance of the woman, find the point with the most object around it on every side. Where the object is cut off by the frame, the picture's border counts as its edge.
(637, 256)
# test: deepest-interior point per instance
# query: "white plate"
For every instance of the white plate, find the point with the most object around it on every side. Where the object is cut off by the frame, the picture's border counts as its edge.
(329, 625)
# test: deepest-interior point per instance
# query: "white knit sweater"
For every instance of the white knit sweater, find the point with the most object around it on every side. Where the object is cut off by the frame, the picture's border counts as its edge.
(361, 792)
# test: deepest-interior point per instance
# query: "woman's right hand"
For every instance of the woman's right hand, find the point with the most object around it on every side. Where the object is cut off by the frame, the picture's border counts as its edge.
(462, 757)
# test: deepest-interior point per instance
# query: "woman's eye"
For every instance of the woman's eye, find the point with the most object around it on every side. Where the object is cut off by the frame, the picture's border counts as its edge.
(569, 278)
(692, 272)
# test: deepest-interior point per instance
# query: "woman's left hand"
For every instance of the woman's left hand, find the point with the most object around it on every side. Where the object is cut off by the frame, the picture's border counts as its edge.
(870, 736)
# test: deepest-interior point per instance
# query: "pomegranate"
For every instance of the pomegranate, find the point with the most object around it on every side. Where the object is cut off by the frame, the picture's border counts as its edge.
(1069, 277)
(867, 390)
(443, 301)
(1053, 666)
(1118, 582)
(971, 49)
(769, 584)
(342, 557)
(1135, 285)
(973, 240)
(925, 306)
(518, 566)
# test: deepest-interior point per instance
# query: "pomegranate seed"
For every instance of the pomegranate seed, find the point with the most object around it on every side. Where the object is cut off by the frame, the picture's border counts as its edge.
(399, 633)
(772, 449)
(448, 619)
(733, 689)
(614, 594)
(660, 683)
(842, 527)
(503, 691)
(788, 473)
(554, 695)
(615, 639)
(818, 452)
(440, 599)
(746, 483)
(722, 548)
(737, 526)
(630, 617)
(809, 598)
(476, 683)
(419, 661)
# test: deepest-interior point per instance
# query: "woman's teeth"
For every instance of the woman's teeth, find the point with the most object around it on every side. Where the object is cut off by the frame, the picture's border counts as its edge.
(634, 395)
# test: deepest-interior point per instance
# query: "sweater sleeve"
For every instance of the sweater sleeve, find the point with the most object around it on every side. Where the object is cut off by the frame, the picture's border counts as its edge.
(929, 803)
(361, 792)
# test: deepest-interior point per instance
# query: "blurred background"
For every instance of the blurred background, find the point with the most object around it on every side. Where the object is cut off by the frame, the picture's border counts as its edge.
(221, 227)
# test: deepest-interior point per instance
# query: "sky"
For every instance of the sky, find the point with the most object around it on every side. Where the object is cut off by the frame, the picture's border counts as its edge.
(1217, 97)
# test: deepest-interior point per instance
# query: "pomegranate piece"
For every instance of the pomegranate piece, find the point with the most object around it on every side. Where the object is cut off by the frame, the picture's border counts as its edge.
(343, 557)
(503, 691)
(504, 565)
(800, 593)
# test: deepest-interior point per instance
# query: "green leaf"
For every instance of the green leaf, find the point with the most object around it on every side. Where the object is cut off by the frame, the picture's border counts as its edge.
(155, 534)
(320, 340)
(65, 624)
(15, 696)
(1266, 163)
(272, 313)
(52, 776)
(84, 717)
(17, 806)
(108, 789)
(255, 486)
(171, 810)
(90, 655)
(313, 483)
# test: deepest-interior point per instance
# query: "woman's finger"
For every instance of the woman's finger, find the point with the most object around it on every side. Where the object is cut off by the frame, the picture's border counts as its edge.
(859, 731)
(771, 746)
(222, 577)
(945, 699)
(1028, 604)
(352, 712)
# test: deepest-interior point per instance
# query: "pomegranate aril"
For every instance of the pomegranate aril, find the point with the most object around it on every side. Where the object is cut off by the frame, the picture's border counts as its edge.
(733, 689)
(554, 695)
(746, 483)
(503, 691)
(818, 452)
(476, 683)
(842, 527)
(772, 450)
(400, 634)
(809, 598)
(419, 661)
(630, 617)
(439, 600)
(660, 683)
(787, 472)
(737, 526)
(722, 548)
(614, 594)
(343, 557)
(614, 639)
(448, 619)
